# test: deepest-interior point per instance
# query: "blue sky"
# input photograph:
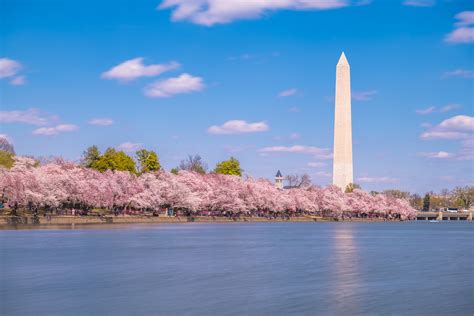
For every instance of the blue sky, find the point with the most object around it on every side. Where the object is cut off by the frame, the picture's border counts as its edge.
(168, 76)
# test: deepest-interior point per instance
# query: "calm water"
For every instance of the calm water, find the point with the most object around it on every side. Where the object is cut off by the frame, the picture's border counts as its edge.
(416, 268)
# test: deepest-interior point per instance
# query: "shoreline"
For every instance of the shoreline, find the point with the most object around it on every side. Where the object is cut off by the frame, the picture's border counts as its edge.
(44, 221)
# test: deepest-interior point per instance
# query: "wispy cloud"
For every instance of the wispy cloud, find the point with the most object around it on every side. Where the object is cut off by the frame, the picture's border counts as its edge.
(437, 155)
(464, 32)
(448, 135)
(50, 131)
(377, 180)
(429, 110)
(245, 56)
(30, 116)
(236, 149)
(294, 109)
(10, 68)
(130, 147)
(18, 81)
(364, 95)
(238, 127)
(316, 164)
(324, 174)
(460, 73)
(444, 109)
(255, 57)
(419, 3)
(292, 136)
(210, 12)
(467, 150)
(185, 83)
(322, 153)
(135, 68)
(101, 121)
(288, 92)
(449, 107)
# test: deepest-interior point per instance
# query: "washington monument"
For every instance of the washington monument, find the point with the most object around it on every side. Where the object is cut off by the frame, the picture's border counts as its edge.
(342, 166)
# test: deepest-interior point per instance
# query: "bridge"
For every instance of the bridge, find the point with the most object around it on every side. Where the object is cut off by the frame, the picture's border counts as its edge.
(444, 216)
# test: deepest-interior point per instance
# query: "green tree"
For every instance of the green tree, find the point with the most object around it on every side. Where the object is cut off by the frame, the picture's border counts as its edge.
(6, 159)
(230, 167)
(174, 171)
(148, 160)
(351, 187)
(90, 156)
(115, 160)
(426, 202)
(416, 201)
(464, 196)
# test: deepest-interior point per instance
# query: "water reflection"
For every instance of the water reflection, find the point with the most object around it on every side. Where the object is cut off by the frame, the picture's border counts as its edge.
(347, 283)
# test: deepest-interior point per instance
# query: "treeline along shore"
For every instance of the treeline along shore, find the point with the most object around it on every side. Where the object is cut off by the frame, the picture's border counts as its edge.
(111, 188)
(66, 188)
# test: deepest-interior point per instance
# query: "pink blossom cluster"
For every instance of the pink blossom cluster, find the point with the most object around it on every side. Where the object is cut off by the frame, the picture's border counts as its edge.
(65, 184)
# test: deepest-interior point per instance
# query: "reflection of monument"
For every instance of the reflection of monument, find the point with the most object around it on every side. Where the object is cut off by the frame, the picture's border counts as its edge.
(342, 165)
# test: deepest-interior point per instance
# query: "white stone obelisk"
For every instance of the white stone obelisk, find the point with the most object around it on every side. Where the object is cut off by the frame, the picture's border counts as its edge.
(342, 165)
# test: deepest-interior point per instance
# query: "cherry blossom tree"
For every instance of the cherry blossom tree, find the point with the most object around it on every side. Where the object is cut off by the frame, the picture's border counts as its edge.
(61, 184)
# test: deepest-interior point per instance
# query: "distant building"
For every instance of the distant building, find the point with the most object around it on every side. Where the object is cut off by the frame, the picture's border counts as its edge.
(279, 180)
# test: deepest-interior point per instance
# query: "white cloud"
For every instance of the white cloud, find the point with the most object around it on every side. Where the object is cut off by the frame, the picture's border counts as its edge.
(130, 147)
(466, 152)
(185, 83)
(30, 116)
(465, 18)
(101, 121)
(419, 3)
(458, 122)
(288, 93)
(9, 67)
(363, 95)
(61, 128)
(377, 180)
(238, 127)
(135, 68)
(456, 127)
(210, 12)
(461, 73)
(461, 35)
(437, 155)
(322, 153)
(429, 110)
(464, 33)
